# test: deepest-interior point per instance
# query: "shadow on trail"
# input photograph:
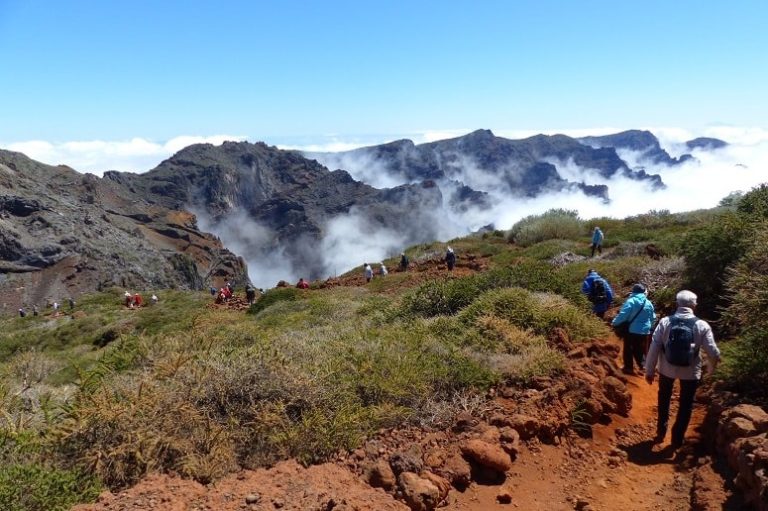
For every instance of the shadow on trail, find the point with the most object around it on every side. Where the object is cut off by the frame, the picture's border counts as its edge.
(643, 454)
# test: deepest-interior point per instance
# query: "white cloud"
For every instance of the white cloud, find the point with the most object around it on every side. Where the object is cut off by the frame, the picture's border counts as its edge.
(696, 184)
(97, 156)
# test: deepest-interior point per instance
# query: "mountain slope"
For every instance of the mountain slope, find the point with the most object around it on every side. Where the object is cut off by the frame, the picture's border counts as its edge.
(63, 233)
(262, 199)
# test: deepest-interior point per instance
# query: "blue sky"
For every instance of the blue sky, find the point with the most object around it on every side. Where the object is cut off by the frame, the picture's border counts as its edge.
(283, 71)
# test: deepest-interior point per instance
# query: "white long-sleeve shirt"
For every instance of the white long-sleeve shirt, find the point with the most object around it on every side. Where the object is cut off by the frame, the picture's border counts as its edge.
(702, 338)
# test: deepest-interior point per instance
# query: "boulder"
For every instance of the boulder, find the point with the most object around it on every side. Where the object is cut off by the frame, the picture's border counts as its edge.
(738, 427)
(487, 455)
(420, 494)
(457, 470)
(379, 475)
(407, 461)
(525, 425)
(510, 441)
(617, 393)
(756, 415)
(441, 483)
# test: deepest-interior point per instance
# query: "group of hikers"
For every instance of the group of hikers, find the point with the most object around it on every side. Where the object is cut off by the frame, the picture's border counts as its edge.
(368, 272)
(135, 301)
(55, 306)
(674, 349)
(225, 293)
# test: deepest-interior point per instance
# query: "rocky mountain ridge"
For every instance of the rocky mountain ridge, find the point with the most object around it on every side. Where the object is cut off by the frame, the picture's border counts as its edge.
(525, 167)
(62, 232)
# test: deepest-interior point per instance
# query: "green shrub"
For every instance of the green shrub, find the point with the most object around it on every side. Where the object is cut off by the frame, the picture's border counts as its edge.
(273, 296)
(747, 284)
(448, 296)
(708, 252)
(39, 488)
(553, 224)
(539, 312)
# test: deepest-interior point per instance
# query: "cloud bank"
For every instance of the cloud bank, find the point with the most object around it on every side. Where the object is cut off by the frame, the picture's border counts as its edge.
(350, 240)
(98, 156)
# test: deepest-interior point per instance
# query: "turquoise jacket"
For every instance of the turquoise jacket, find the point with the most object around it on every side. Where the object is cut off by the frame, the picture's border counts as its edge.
(597, 237)
(645, 318)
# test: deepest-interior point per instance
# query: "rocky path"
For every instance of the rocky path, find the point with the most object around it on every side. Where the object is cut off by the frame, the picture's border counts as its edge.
(618, 468)
(614, 467)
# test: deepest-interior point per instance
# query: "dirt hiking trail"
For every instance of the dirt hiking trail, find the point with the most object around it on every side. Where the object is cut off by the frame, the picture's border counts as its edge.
(618, 468)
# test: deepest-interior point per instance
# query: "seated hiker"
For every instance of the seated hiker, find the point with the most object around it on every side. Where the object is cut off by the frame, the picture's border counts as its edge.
(598, 292)
(302, 284)
(383, 270)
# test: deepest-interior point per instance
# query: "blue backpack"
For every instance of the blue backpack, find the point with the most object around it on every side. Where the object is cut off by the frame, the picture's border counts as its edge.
(680, 348)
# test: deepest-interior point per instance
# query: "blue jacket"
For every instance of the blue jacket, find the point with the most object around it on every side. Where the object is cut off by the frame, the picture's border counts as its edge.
(586, 287)
(645, 317)
(597, 237)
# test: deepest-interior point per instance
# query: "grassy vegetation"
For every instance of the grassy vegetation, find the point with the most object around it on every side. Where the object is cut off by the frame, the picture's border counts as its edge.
(114, 393)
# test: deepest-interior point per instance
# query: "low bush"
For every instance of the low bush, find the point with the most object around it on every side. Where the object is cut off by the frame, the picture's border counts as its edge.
(448, 296)
(539, 312)
(26, 487)
(553, 224)
(273, 296)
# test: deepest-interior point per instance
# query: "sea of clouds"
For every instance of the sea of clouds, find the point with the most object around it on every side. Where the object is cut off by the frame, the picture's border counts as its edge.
(348, 241)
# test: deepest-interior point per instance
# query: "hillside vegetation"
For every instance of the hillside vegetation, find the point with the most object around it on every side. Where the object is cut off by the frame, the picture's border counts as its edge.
(101, 395)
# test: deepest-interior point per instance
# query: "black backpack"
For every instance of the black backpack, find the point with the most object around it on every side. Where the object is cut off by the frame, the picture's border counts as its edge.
(680, 348)
(598, 293)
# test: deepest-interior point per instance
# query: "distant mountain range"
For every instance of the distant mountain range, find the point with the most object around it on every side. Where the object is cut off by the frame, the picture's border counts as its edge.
(62, 232)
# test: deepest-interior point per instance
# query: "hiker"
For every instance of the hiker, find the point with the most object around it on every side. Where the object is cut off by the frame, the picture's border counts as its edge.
(22, 312)
(250, 294)
(137, 300)
(450, 259)
(597, 241)
(598, 292)
(367, 272)
(302, 284)
(154, 299)
(383, 270)
(55, 306)
(675, 351)
(230, 288)
(404, 262)
(212, 290)
(71, 304)
(637, 315)
(128, 297)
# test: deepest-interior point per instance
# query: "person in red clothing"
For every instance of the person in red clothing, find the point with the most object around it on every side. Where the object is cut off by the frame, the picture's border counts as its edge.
(302, 284)
(137, 300)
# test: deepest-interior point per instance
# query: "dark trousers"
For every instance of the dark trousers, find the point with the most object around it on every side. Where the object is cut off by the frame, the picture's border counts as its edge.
(598, 247)
(634, 348)
(687, 393)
